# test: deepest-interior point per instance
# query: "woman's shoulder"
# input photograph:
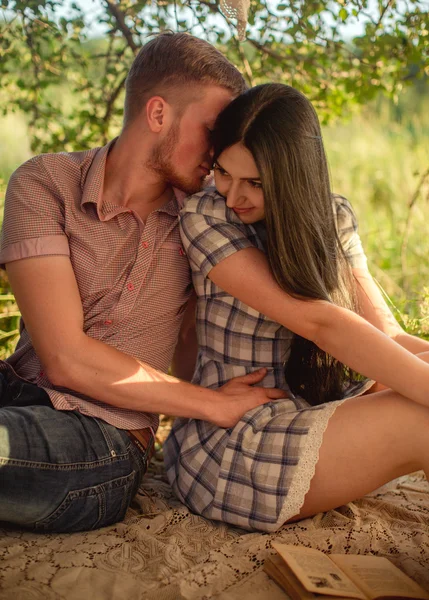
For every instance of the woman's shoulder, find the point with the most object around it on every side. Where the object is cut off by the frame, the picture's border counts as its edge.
(348, 232)
(344, 214)
(341, 203)
(209, 203)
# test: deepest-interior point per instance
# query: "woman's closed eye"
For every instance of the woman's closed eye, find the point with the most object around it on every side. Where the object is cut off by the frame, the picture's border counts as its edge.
(254, 183)
(219, 170)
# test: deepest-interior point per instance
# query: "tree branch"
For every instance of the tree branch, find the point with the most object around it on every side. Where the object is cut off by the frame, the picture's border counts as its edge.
(268, 51)
(120, 19)
(213, 6)
(35, 61)
(382, 13)
(201, 24)
(110, 103)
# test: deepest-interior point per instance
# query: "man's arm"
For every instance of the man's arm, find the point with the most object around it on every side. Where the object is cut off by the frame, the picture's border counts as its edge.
(185, 354)
(48, 297)
(374, 309)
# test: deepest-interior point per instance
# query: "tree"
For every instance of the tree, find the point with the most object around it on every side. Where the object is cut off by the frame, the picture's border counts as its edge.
(47, 54)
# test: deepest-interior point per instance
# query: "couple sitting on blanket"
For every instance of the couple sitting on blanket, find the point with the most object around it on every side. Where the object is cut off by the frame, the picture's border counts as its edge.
(276, 425)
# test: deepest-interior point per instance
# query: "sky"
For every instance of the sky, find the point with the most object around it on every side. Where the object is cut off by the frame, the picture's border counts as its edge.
(91, 8)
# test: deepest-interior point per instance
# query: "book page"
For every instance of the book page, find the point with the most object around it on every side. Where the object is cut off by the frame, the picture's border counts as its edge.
(276, 568)
(317, 572)
(378, 577)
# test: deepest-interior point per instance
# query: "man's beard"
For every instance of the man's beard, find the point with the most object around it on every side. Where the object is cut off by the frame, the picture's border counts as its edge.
(160, 162)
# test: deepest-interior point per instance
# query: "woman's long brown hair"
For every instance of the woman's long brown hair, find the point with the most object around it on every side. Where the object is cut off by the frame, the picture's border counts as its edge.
(279, 126)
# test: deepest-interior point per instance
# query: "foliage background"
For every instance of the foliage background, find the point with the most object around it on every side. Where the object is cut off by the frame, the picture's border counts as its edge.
(363, 63)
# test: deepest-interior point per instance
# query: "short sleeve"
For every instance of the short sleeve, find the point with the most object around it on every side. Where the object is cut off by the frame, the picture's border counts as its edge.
(211, 232)
(347, 227)
(33, 223)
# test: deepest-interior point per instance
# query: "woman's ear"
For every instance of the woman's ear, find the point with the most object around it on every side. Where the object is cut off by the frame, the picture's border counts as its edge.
(157, 113)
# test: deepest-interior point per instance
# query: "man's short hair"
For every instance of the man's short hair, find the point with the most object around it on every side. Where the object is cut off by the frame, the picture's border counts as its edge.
(171, 61)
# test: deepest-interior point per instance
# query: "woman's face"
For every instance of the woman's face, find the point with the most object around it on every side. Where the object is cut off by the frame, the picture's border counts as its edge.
(237, 178)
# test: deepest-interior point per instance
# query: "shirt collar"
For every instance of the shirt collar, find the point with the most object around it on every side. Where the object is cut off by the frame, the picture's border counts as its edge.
(171, 207)
(92, 189)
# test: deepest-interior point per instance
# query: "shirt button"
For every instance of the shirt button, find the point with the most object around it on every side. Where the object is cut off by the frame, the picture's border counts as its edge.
(181, 252)
(145, 244)
(107, 322)
(41, 374)
(130, 286)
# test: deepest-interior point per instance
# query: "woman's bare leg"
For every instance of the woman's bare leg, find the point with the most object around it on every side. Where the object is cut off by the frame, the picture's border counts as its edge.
(369, 441)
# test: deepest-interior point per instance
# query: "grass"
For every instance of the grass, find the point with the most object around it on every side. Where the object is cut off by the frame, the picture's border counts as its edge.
(14, 144)
(378, 164)
(377, 161)
(14, 149)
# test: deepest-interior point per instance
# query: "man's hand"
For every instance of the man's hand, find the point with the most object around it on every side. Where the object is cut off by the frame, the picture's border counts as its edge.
(239, 396)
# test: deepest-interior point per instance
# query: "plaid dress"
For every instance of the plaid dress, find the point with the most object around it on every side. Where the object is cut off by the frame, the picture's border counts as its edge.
(256, 474)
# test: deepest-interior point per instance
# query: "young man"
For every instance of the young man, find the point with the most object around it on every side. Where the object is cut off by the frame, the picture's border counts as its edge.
(93, 254)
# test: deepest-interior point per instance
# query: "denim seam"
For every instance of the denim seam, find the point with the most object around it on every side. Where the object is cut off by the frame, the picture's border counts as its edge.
(100, 492)
(127, 496)
(140, 467)
(102, 508)
(16, 462)
(106, 436)
(141, 459)
(71, 496)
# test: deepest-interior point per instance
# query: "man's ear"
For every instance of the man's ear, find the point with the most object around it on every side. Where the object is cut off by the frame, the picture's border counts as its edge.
(157, 113)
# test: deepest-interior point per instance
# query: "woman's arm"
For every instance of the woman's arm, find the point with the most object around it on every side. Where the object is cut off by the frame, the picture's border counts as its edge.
(340, 332)
(375, 310)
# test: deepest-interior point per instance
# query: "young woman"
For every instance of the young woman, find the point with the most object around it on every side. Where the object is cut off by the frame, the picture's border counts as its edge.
(281, 280)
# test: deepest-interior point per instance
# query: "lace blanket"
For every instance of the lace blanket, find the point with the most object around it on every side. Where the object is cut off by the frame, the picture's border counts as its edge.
(163, 552)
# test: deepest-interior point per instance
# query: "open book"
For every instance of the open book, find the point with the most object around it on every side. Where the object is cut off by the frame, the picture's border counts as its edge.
(305, 573)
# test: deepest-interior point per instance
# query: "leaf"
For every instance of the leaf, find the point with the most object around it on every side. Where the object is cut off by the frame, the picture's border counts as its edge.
(343, 14)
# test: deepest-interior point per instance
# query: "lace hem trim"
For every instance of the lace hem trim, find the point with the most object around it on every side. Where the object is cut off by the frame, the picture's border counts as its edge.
(307, 465)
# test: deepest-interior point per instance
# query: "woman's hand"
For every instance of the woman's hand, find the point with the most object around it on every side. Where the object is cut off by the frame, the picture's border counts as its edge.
(239, 396)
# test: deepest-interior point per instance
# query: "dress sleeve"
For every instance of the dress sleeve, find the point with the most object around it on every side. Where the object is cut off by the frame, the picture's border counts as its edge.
(211, 231)
(347, 227)
(33, 223)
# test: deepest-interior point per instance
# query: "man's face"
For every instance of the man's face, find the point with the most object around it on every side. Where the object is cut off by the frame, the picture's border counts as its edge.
(184, 157)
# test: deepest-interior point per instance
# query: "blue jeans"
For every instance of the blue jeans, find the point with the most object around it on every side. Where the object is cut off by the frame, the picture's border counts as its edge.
(61, 471)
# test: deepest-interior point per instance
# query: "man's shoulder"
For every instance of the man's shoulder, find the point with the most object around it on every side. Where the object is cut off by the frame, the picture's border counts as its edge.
(52, 167)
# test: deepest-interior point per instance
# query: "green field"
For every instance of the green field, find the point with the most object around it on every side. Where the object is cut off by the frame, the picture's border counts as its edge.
(377, 160)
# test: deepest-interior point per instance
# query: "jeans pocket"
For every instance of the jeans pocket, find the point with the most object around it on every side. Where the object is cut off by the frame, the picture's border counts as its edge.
(91, 507)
